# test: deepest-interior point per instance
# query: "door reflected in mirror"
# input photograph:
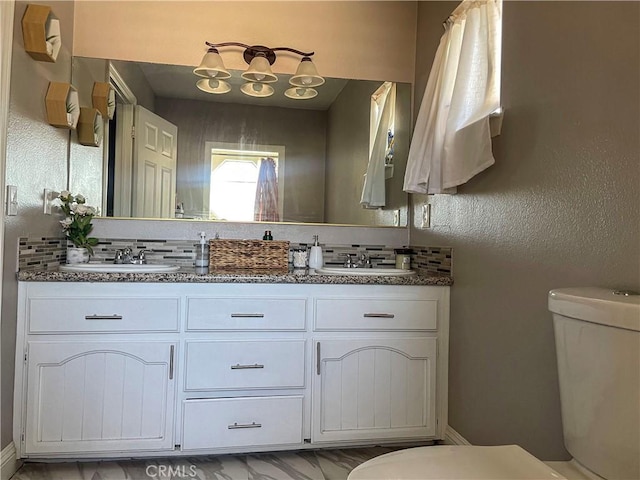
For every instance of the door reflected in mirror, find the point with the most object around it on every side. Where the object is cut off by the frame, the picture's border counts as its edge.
(175, 151)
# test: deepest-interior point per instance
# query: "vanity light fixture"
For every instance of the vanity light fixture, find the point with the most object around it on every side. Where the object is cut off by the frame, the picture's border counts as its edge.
(257, 89)
(306, 75)
(300, 93)
(213, 85)
(259, 74)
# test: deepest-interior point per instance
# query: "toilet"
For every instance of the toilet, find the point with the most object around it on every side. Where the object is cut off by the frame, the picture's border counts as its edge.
(597, 335)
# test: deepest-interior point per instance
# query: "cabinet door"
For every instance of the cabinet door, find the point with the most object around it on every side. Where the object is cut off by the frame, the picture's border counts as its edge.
(99, 396)
(381, 388)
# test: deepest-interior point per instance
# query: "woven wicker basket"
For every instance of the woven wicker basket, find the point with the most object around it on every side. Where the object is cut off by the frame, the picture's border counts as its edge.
(248, 254)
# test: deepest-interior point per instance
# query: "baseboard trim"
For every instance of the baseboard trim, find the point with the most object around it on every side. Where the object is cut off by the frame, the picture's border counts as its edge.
(9, 462)
(451, 437)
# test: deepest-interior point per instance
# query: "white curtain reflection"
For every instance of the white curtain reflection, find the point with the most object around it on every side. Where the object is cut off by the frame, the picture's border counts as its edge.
(383, 103)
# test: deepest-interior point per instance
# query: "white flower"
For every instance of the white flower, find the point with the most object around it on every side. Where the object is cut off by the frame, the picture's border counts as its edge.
(82, 210)
(80, 198)
(64, 194)
(66, 223)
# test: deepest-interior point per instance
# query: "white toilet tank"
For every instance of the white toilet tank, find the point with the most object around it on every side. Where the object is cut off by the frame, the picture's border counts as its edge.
(598, 348)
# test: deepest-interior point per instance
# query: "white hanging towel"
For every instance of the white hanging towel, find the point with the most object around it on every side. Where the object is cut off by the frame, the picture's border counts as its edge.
(451, 141)
(383, 103)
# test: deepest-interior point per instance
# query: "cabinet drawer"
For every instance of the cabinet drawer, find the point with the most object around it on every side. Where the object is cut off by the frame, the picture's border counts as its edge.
(248, 421)
(226, 313)
(222, 365)
(103, 315)
(375, 314)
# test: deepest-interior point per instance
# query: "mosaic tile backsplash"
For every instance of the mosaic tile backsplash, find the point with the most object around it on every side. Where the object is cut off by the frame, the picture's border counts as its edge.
(47, 253)
(38, 253)
(433, 260)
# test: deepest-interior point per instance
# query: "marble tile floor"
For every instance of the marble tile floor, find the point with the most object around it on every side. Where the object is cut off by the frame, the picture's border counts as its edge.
(298, 465)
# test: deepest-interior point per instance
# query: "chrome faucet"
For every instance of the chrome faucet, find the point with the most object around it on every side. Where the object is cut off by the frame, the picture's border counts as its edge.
(126, 256)
(349, 261)
(364, 261)
(141, 258)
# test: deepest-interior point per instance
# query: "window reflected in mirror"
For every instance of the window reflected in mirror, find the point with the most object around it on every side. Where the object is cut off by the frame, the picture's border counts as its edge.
(235, 181)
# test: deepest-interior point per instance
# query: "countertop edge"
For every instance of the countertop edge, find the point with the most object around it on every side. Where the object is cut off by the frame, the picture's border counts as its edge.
(192, 277)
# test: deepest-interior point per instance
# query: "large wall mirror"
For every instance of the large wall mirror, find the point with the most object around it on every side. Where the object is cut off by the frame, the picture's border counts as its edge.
(173, 150)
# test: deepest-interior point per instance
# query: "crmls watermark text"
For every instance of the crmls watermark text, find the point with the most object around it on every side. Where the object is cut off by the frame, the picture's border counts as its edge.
(171, 471)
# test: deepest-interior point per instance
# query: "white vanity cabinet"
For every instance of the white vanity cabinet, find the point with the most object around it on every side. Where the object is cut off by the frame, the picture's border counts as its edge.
(380, 359)
(97, 372)
(110, 369)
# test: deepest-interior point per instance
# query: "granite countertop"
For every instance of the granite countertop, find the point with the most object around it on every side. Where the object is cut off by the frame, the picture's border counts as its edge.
(189, 275)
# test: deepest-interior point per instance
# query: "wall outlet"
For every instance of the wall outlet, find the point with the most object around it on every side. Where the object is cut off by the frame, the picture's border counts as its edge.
(47, 200)
(396, 218)
(425, 218)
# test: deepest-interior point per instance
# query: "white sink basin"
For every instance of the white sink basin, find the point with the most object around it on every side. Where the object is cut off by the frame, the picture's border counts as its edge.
(119, 268)
(394, 272)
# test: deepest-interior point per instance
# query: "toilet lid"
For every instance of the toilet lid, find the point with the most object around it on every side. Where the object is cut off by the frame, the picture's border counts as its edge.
(506, 462)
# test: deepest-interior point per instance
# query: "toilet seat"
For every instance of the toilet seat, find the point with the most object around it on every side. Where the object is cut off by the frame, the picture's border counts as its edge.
(444, 462)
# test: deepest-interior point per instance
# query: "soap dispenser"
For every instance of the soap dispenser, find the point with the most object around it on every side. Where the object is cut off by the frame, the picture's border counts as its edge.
(202, 254)
(315, 257)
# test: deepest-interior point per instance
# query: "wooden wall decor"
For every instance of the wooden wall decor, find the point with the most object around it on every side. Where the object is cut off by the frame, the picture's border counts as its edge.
(41, 33)
(103, 98)
(62, 105)
(90, 127)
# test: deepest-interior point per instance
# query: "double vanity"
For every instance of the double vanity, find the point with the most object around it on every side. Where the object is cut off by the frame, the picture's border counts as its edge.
(148, 364)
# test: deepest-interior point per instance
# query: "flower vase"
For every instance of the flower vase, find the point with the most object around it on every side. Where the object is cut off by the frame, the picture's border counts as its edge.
(77, 255)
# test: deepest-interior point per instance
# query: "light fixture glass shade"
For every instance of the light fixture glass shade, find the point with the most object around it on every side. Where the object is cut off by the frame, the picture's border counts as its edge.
(212, 67)
(257, 89)
(306, 75)
(259, 71)
(300, 93)
(213, 85)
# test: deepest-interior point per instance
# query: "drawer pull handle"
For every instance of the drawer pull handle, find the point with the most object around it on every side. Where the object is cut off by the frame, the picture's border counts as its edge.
(379, 315)
(246, 367)
(103, 317)
(247, 315)
(318, 358)
(237, 425)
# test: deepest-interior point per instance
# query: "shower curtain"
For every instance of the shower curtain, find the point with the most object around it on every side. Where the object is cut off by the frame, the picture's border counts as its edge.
(266, 204)
(451, 141)
(383, 102)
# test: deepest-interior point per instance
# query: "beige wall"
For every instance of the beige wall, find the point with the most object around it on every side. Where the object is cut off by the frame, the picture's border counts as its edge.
(363, 40)
(559, 208)
(36, 159)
